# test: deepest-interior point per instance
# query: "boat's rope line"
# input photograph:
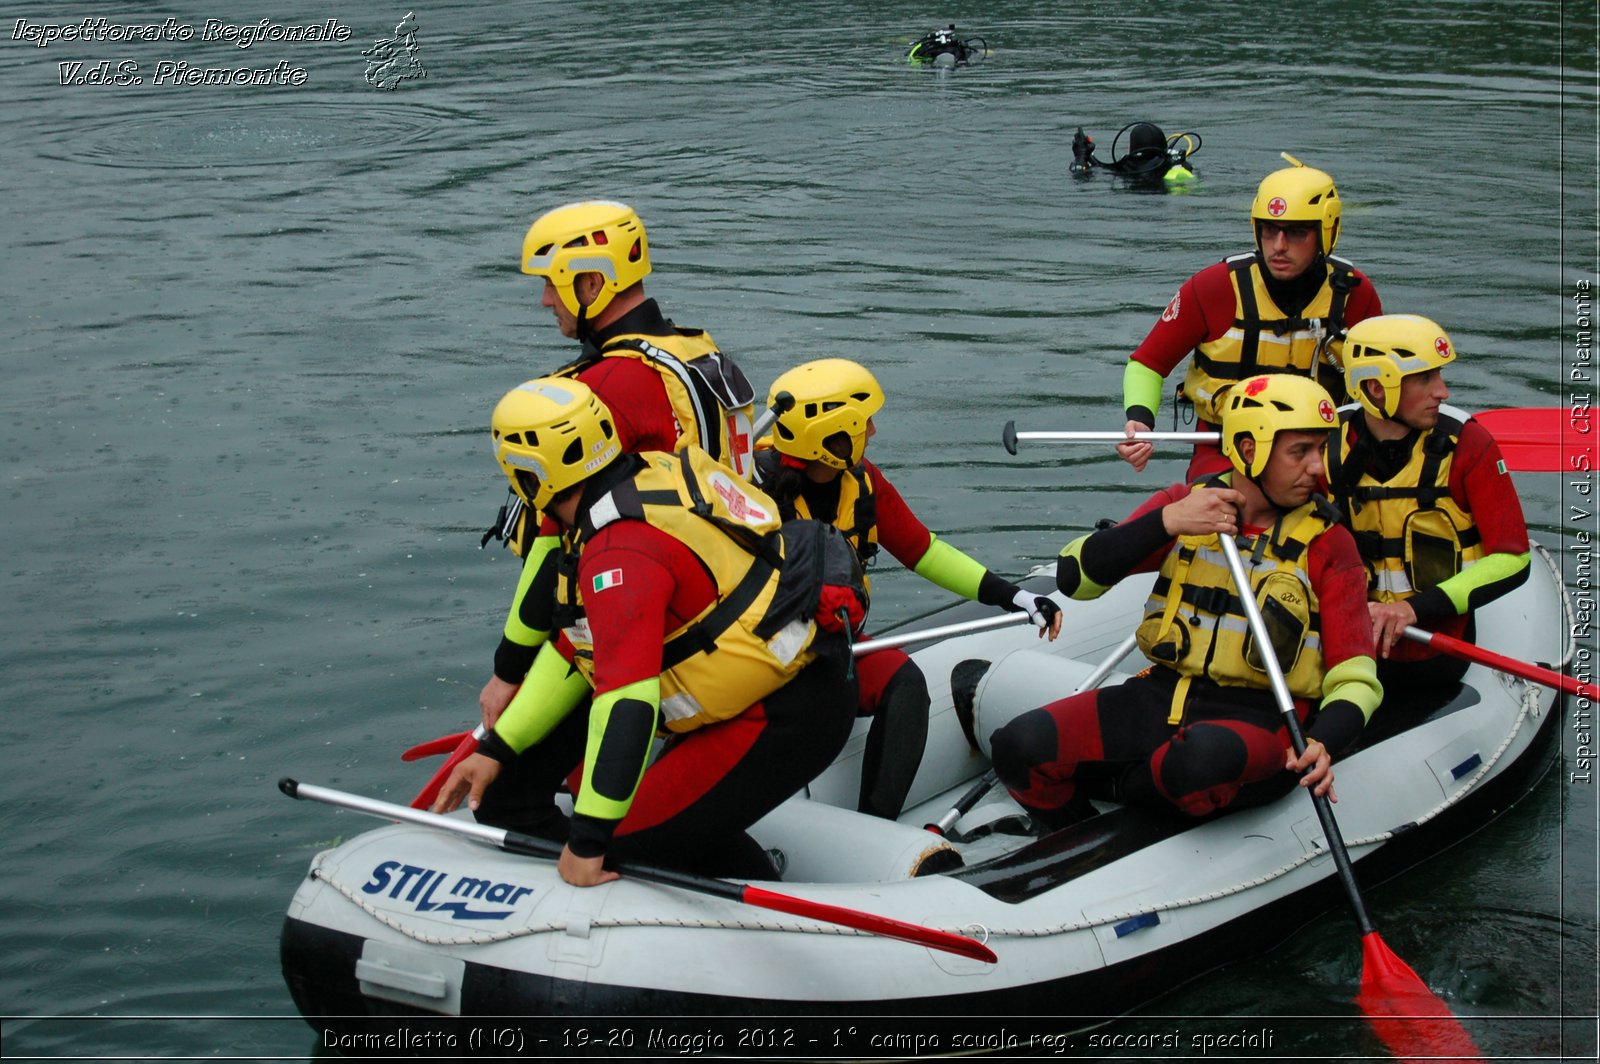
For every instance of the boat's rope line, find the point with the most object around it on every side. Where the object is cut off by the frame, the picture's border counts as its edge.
(1530, 704)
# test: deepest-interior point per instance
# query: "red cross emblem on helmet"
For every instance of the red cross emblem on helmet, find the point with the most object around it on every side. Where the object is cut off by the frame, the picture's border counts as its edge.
(1325, 408)
(1255, 386)
(1441, 346)
(1277, 206)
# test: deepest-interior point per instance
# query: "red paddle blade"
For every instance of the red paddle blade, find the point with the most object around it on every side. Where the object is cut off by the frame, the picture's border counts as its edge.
(886, 926)
(464, 749)
(1527, 457)
(1411, 1020)
(1544, 439)
(434, 746)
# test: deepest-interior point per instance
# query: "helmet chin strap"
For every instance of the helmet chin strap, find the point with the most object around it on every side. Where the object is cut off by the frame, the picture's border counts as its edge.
(583, 327)
(1268, 495)
(1256, 479)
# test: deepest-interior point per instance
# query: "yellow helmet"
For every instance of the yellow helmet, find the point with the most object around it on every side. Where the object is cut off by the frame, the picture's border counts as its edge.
(550, 434)
(1388, 348)
(831, 395)
(1262, 407)
(596, 236)
(1299, 193)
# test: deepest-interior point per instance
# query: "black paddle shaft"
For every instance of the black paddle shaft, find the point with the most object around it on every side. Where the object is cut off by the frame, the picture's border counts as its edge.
(1330, 831)
(1280, 689)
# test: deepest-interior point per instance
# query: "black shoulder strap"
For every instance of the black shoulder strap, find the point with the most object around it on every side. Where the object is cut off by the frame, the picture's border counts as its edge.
(865, 518)
(1437, 445)
(1342, 279)
(567, 610)
(702, 635)
(1249, 319)
(1341, 479)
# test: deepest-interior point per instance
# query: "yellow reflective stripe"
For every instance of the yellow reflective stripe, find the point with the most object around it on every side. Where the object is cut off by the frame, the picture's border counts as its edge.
(589, 802)
(551, 690)
(1288, 339)
(515, 630)
(1391, 582)
(680, 706)
(950, 568)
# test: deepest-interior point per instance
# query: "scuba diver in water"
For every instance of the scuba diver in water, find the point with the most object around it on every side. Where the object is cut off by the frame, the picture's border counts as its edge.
(1152, 158)
(942, 48)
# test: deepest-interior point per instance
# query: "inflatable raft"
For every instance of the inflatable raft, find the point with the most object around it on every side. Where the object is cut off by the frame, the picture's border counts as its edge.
(1091, 920)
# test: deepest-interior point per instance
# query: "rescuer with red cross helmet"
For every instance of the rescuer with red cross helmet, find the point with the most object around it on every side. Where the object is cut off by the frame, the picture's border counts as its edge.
(1425, 490)
(1200, 730)
(1281, 308)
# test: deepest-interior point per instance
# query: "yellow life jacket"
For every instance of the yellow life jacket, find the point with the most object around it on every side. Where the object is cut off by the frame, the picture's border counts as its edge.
(712, 402)
(746, 643)
(1411, 533)
(1195, 623)
(1263, 339)
(710, 397)
(856, 515)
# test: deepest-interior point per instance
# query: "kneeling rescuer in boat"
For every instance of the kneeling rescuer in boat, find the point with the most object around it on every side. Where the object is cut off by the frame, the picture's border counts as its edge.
(1200, 729)
(680, 602)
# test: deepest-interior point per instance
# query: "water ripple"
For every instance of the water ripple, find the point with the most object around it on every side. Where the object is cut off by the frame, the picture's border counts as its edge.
(252, 133)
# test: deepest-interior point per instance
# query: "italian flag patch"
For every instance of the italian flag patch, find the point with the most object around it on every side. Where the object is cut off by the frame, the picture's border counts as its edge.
(1501, 467)
(609, 578)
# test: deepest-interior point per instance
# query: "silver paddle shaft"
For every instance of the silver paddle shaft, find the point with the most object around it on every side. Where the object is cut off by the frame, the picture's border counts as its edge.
(390, 811)
(1120, 437)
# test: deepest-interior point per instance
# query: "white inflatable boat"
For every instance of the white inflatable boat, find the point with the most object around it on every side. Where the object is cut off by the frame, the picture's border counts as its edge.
(1091, 920)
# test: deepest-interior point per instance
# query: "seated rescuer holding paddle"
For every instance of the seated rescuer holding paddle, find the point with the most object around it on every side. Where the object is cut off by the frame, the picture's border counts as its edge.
(666, 386)
(1201, 724)
(681, 604)
(1281, 308)
(1424, 489)
(816, 468)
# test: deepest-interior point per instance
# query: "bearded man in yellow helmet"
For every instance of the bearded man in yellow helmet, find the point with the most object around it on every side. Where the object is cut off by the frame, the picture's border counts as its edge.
(1282, 308)
(680, 606)
(1434, 512)
(666, 387)
(817, 468)
(1200, 730)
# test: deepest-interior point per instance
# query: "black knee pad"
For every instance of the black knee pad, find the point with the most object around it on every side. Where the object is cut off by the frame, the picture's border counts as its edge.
(1027, 741)
(1202, 759)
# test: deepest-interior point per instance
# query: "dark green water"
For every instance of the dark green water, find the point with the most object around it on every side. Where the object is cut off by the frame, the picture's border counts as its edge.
(254, 335)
